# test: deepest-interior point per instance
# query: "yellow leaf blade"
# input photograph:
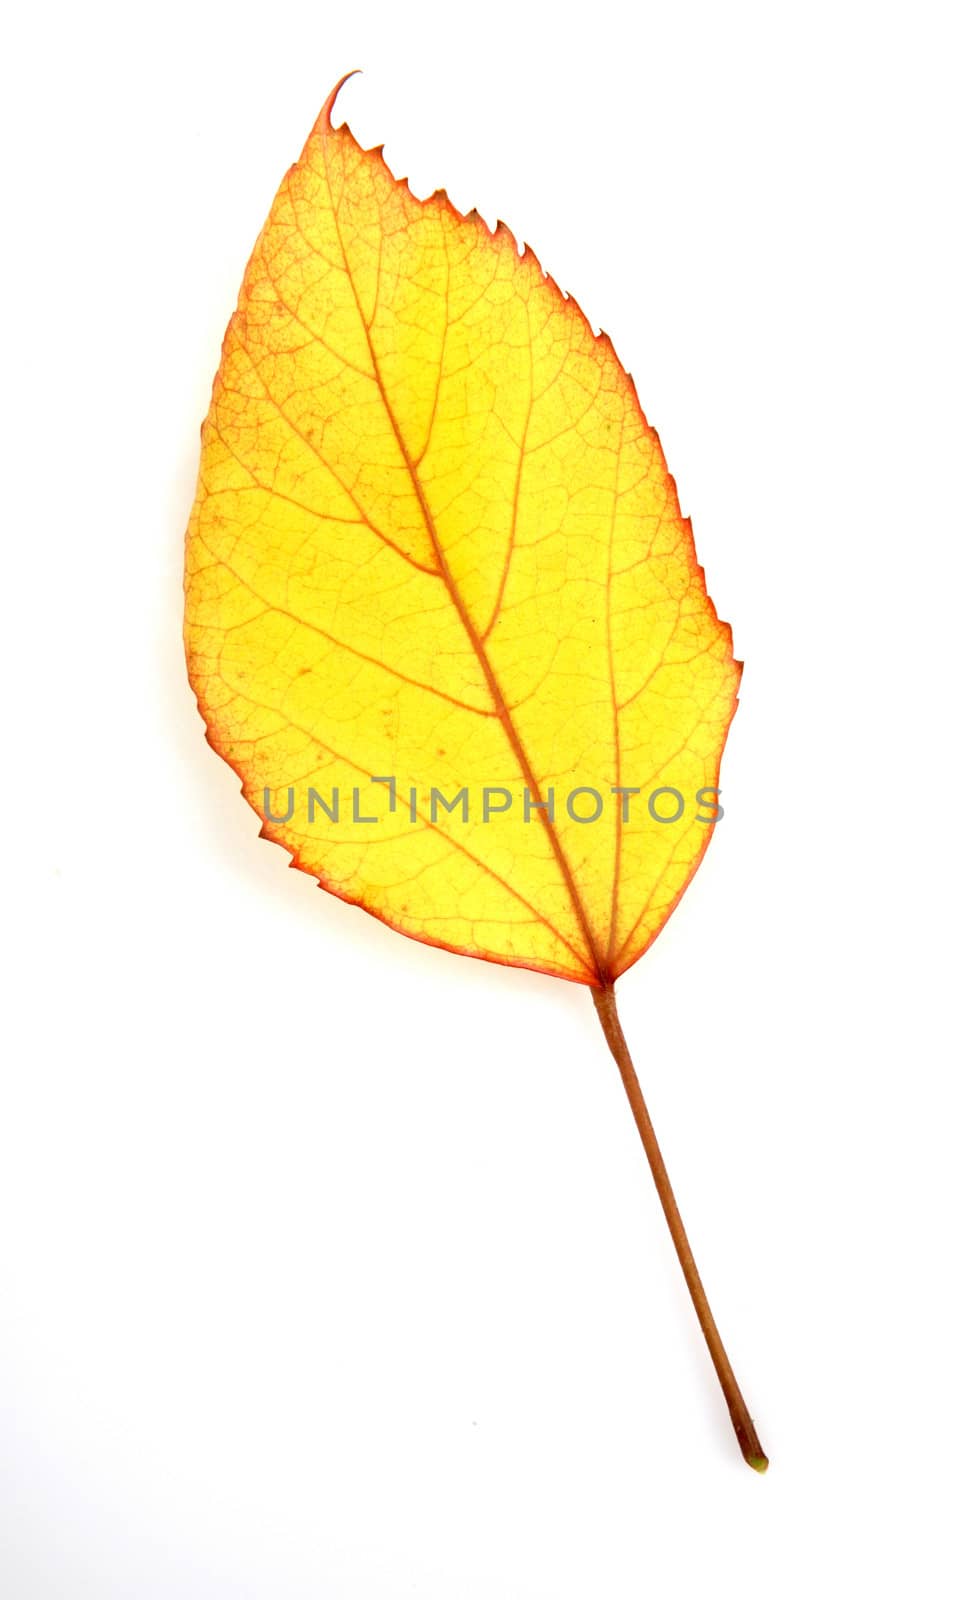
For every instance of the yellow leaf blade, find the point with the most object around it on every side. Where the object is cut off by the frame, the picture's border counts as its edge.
(435, 539)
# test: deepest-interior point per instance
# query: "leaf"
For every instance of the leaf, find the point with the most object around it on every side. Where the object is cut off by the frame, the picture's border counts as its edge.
(435, 543)
(435, 539)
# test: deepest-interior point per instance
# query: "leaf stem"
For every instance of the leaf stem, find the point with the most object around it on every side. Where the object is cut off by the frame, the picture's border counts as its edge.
(751, 1449)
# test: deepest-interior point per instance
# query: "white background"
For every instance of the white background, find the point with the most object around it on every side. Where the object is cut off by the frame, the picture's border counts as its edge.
(330, 1264)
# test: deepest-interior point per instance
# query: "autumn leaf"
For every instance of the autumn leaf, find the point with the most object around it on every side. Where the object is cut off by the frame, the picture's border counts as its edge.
(444, 614)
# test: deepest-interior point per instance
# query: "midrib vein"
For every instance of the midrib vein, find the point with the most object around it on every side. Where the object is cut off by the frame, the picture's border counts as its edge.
(597, 960)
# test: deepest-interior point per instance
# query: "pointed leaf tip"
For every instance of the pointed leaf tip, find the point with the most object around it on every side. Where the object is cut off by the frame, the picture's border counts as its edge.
(331, 98)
